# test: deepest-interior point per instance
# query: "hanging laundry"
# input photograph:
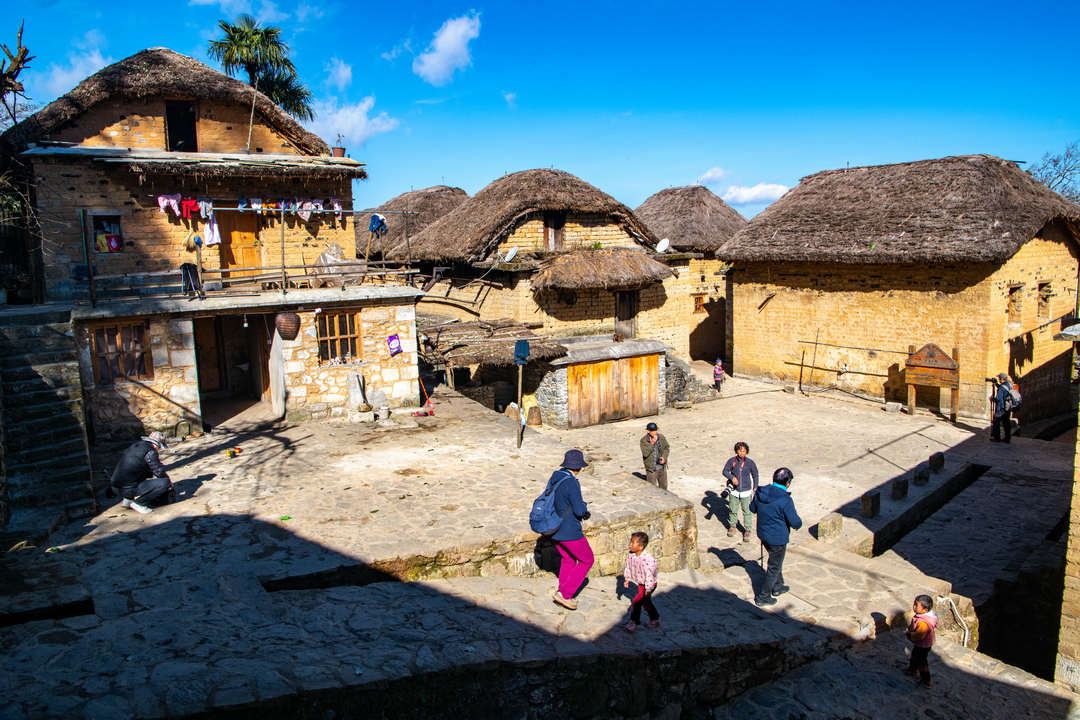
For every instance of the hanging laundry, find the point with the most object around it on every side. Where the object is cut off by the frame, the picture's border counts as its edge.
(317, 204)
(169, 200)
(377, 226)
(241, 204)
(257, 205)
(206, 207)
(213, 234)
(305, 209)
(336, 204)
(188, 207)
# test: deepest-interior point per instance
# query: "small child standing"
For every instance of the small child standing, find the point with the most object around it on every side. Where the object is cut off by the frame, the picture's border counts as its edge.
(921, 632)
(642, 570)
(718, 374)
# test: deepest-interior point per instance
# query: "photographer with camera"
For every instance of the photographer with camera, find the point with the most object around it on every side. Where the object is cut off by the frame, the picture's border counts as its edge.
(1005, 398)
(742, 481)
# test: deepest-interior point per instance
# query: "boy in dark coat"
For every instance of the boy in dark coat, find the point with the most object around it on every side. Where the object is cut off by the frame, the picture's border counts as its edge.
(776, 515)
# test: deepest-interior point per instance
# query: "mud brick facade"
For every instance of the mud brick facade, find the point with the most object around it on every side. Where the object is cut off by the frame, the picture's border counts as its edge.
(1067, 671)
(1001, 316)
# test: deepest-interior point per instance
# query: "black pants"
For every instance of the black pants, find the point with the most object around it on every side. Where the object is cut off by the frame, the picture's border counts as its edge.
(1003, 420)
(146, 491)
(920, 662)
(775, 574)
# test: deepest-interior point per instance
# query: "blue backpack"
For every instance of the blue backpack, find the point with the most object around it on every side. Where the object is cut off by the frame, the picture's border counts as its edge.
(543, 518)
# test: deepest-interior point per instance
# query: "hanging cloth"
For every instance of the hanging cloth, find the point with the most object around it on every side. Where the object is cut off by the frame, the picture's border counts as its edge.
(206, 207)
(213, 234)
(336, 204)
(257, 205)
(188, 207)
(164, 201)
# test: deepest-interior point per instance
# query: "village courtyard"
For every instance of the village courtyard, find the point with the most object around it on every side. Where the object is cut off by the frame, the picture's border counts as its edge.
(272, 588)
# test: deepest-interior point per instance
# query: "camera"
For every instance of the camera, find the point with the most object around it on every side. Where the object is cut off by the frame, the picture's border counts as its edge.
(726, 491)
(992, 380)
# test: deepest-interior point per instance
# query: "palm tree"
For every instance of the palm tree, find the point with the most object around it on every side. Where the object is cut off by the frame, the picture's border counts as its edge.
(259, 51)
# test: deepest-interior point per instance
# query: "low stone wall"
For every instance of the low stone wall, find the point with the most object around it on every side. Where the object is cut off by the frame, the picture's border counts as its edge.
(5, 507)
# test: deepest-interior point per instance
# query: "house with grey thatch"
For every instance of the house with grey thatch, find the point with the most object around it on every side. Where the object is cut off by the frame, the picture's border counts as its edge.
(839, 281)
(177, 224)
(694, 220)
(405, 216)
(546, 248)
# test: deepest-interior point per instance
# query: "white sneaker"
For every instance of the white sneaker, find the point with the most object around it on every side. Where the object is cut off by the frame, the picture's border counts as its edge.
(140, 508)
(125, 503)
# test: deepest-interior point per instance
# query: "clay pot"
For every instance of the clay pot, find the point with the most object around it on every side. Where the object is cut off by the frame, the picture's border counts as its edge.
(338, 152)
(288, 325)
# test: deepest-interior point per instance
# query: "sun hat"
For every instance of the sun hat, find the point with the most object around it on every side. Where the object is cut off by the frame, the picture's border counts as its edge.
(574, 460)
(157, 439)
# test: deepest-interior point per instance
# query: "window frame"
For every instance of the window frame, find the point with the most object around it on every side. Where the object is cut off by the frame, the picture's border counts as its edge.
(195, 111)
(326, 321)
(94, 216)
(132, 355)
(1015, 304)
(699, 303)
(1045, 292)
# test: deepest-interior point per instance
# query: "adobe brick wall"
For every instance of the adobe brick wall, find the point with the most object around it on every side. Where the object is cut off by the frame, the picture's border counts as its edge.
(130, 409)
(154, 241)
(1067, 670)
(581, 232)
(888, 307)
(320, 391)
(139, 123)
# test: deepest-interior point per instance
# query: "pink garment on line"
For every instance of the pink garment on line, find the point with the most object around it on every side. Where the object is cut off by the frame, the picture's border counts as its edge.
(166, 200)
(577, 560)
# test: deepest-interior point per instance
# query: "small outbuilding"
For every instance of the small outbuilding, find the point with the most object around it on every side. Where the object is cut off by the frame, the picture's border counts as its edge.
(836, 281)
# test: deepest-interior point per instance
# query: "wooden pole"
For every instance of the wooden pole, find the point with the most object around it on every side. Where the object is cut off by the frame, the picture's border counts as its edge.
(520, 428)
(954, 393)
(88, 258)
(813, 363)
(283, 290)
(802, 364)
(910, 387)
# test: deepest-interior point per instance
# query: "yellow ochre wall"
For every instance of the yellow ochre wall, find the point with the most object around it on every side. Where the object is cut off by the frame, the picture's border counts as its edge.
(884, 308)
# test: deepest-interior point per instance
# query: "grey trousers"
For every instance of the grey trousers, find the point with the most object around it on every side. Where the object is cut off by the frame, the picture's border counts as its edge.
(657, 477)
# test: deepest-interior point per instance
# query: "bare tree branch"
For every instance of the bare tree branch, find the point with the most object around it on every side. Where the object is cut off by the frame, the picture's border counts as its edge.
(1060, 173)
(9, 74)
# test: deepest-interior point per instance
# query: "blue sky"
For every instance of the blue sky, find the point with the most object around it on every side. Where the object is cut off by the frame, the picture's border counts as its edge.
(632, 97)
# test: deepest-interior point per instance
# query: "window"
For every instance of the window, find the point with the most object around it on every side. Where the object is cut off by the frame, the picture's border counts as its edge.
(1016, 295)
(120, 352)
(699, 304)
(554, 221)
(106, 233)
(181, 117)
(1045, 293)
(339, 338)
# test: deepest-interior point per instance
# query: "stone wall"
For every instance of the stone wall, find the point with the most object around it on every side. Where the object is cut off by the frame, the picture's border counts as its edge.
(876, 311)
(131, 409)
(5, 506)
(1067, 671)
(552, 394)
(154, 241)
(139, 124)
(317, 390)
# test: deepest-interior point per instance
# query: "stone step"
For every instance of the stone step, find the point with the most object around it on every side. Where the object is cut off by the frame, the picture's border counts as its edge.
(53, 494)
(888, 565)
(32, 345)
(40, 358)
(55, 457)
(73, 473)
(61, 419)
(11, 373)
(57, 431)
(34, 330)
(35, 315)
(43, 397)
(31, 527)
(42, 383)
(72, 408)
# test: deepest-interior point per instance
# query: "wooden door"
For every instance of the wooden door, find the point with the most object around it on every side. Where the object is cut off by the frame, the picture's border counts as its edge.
(207, 357)
(626, 307)
(239, 246)
(642, 380)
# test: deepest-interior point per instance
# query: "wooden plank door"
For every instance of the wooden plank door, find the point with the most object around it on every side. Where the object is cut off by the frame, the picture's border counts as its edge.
(643, 384)
(207, 357)
(239, 242)
(581, 408)
(626, 309)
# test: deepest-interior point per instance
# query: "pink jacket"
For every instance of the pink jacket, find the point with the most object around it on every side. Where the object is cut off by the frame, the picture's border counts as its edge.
(930, 619)
(642, 569)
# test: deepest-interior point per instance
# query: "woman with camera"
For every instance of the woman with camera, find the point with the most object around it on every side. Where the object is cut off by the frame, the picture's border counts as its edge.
(742, 481)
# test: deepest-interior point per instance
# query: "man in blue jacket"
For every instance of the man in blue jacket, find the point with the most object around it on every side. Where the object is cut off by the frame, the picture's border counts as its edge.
(776, 515)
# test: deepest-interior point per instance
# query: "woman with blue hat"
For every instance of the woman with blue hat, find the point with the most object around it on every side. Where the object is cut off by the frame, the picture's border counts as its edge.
(570, 540)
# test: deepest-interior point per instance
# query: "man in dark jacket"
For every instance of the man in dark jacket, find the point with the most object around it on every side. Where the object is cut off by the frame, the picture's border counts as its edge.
(139, 476)
(776, 515)
(570, 540)
(654, 453)
(742, 478)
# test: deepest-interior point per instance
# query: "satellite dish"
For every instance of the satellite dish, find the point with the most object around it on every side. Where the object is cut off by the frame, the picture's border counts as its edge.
(511, 255)
(663, 245)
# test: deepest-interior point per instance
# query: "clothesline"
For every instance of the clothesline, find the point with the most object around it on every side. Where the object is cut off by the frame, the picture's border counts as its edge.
(343, 208)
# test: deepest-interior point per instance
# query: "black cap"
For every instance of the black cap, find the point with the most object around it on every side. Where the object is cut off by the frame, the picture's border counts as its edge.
(652, 426)
(574, 460)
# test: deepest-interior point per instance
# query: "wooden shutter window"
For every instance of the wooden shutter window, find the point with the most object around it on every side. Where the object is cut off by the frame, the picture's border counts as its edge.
(120, 353)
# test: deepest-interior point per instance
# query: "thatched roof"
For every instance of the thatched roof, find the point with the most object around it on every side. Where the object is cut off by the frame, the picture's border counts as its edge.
(473, 229)
(615, 269)
(481, 342)
(430, 204)
(691, 217)
(157, 72)
(969, 208)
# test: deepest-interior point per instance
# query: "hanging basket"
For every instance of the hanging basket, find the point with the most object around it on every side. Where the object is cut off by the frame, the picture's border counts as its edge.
(288, 325)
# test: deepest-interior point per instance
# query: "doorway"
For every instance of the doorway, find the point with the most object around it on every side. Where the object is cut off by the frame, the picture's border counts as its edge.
(239, 246)
(626, 309)
(232, 355)
(707, 339)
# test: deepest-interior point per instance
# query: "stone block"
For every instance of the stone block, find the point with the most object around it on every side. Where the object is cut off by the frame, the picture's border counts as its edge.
(789, 389)
(937, 462)
(871, 504)
(182, 358)
(921, 476)
(683, 404)
(899, 488)
(829, 527)
(184, 394)
(298, 415)
(893, 407)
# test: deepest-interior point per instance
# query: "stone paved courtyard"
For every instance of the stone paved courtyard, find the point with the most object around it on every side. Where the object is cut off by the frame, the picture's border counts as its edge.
(221, 602)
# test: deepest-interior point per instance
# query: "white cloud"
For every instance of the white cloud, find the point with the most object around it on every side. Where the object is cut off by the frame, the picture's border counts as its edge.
(58, 79)
(305, 12)
(511, 99)
(352, 122)
(339, 73)
(713, 176)
(404, 46)
(449, 51)
(268, 11)
(757, 195)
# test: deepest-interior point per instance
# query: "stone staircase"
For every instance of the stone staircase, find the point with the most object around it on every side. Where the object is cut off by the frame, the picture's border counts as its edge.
(47, 463)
